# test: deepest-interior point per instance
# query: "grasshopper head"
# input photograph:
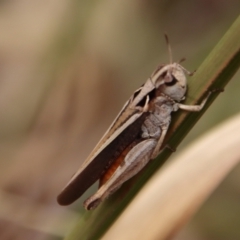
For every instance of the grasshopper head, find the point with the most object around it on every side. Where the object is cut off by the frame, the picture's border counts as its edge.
(171, 80)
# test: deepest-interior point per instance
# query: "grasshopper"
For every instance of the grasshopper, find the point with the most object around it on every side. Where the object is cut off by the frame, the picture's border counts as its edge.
(135, 136)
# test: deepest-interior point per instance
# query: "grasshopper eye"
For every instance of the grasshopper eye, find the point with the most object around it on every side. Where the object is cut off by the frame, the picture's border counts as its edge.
(171, 83)
(163, 78)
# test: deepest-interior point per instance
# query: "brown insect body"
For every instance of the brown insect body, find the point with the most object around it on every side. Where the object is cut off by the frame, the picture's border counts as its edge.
(135, 136)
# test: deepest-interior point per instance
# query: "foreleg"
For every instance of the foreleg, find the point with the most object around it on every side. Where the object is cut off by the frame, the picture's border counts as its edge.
(197, 108)
(194, 108)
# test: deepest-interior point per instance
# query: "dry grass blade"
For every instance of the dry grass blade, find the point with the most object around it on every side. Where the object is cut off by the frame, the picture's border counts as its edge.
(178, 190)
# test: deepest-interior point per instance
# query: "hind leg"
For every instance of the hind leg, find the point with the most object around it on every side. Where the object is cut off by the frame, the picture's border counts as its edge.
(134, 161)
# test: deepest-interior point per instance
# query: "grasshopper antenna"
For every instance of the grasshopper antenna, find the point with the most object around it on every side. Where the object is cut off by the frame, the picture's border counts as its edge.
(169, 48)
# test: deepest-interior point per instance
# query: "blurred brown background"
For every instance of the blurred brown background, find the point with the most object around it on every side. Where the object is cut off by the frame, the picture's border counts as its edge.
(66, 69)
